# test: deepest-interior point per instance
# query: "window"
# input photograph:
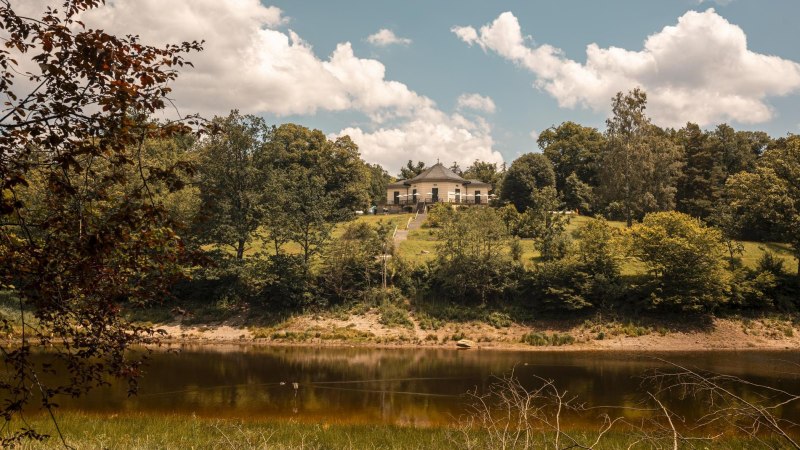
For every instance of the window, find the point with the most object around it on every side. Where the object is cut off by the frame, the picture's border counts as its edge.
(396, 197)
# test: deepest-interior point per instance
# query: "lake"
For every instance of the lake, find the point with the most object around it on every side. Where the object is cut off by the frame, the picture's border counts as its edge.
(422, 387)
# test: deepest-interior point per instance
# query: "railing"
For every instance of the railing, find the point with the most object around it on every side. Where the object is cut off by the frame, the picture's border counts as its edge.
(483, 200)
(408, 224)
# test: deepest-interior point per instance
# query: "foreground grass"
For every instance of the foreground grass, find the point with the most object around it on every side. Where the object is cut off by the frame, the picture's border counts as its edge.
(135, 432)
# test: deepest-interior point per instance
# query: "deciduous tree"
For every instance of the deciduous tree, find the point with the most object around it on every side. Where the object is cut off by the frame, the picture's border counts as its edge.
(75, 100)
(640, 163)
(527, 174)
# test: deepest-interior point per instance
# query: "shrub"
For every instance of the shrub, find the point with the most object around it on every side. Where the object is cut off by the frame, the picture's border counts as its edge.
(685, 260)
(543, 339)
(394, 316)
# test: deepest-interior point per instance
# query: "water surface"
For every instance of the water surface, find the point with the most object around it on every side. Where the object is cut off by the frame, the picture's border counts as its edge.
(401, 386)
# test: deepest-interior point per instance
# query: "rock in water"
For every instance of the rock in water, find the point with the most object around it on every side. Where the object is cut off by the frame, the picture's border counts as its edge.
(465, 344)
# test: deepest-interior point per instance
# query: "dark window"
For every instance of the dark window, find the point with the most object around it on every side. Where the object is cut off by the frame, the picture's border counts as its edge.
(396, 197)
(477, 197)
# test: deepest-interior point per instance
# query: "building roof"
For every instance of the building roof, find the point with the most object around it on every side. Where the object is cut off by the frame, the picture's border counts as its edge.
(436, 173)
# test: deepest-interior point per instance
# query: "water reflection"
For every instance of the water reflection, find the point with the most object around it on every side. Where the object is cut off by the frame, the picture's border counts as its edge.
(400, 386)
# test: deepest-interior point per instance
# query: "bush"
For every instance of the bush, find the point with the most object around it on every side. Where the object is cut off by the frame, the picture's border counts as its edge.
(568, 285)
(499, 319)
(394, 316)
(473, 262)
(685, 260)
(543, 339)
(439, 214)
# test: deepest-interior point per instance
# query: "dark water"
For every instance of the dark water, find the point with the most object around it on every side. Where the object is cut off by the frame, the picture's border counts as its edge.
(402, 386)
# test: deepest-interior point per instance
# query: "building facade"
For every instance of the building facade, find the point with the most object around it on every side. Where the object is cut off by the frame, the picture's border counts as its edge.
(437, 184)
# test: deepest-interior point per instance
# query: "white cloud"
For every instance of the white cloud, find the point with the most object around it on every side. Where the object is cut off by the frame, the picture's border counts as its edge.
(428, 137)
(719, 2)
(534, 135)
(476, 102)
(251, 64)
(698, 70)
(385, 37)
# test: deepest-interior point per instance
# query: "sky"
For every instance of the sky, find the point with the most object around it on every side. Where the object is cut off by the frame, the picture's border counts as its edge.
(459, 80)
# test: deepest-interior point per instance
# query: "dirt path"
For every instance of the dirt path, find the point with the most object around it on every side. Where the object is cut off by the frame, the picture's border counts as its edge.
(402, 232)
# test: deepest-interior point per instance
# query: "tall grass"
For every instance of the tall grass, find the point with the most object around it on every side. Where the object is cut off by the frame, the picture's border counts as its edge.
(151, 432)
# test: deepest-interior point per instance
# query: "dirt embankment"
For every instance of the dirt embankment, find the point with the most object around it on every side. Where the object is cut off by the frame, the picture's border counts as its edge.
(368, 330)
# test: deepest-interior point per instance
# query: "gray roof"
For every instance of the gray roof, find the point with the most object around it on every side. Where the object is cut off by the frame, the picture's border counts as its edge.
(437, 172)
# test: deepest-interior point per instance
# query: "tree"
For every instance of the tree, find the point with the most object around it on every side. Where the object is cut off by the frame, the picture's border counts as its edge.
(766, 202)
(353, 263)
(486, 172)
(527, 174)
(410, 170)
(232, 185)
(473, 259)
(573, 149)
(543, 222)
(318, 183)
(738, 150)
(685, 259)
(599, 249)
(700, 185)
(378, 180)
(577, 195)
(640, 164)
(77, 119)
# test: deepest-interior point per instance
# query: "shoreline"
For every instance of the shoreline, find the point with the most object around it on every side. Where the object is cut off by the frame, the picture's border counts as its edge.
(734, 335)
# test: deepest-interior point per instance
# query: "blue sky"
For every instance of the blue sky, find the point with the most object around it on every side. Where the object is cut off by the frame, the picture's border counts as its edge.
(439, 65)
(285, 60)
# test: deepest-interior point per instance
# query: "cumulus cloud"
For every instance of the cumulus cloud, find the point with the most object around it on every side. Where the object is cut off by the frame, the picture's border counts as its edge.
(697, 70)
(534, 135)
(719, 2)
(476, 102)
(430, 136)
(251, 62)
(385, 37)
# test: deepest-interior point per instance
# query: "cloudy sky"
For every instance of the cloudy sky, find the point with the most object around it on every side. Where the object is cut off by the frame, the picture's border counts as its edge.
(464, 79)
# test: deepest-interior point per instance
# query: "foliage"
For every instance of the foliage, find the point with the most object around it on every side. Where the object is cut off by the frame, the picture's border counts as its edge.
(528, 173)
(486, 172)
(411, 170)
(544, 339)
(577, 195)
(685, 259)
(640, 163)
(75, 111)
(765, 203)
(543, 222)
(352, 264)
(439, 214)
(557, 285)
(473, 262)
(574, 150)
(393, 315)
(232, 184)
(378, 180)
(318, 184)
(599, 248)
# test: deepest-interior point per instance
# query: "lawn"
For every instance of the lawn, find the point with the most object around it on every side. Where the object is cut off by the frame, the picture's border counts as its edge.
(421, 247)
(259, 246)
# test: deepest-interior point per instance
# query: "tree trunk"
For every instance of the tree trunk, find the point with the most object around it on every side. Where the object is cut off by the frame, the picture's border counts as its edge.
(240, 249)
